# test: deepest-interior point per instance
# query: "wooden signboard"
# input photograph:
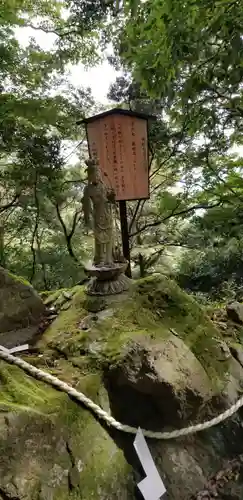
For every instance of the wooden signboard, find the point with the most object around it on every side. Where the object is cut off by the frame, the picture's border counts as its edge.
(118, 139)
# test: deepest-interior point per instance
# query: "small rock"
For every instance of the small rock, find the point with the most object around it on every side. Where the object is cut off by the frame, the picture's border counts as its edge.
(52, 310)
(107, 313)
(237, 353)
(65, 306)
(60, 301)
(235, 312)
(51, 313)
(85, 323)
(67, 295)
(225, 350)
(221, 325)
(95, 348)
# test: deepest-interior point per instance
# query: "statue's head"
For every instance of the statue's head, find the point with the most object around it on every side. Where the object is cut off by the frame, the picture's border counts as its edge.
(93, 171)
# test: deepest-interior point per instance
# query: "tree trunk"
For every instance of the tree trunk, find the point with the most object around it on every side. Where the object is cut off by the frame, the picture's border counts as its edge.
(142, 265)
(2, 256)
(42, 263)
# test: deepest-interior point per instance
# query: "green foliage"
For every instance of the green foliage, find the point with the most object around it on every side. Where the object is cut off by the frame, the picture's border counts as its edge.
(186, 64)
(210, 270)
(182, 62)
(214, 264)
(183, 36)
(40, 209)
(190, 55)
(154, 308)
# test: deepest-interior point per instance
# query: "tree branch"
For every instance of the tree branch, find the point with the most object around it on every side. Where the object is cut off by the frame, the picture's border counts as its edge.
(53, 31)
(134, 216)
(231, 106)
(43, 267)
(10, 204)
(222, 180)
(74, 224)
(174, 149)
(140, 201)
(68, 235)
(182, 212)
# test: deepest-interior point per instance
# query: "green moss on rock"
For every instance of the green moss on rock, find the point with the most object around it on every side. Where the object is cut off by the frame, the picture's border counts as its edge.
(154, 308)
(20, 392)
(19, 279)
(61, 452)
(180, 313)
(65, 331)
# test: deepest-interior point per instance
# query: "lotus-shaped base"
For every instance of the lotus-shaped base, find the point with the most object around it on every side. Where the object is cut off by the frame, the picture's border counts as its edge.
(107, 279)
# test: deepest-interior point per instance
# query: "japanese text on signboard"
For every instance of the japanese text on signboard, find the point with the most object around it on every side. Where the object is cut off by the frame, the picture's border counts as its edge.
(119, 143)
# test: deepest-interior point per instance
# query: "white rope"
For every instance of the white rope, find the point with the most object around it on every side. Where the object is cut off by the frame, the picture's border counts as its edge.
(79, 396)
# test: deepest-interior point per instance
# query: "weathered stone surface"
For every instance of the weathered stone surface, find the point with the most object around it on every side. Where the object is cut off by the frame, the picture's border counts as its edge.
(235, 312)
(224, 483)
(20, 305)
(237, 352)
(20, 336)
(234, 384)
(169, 373)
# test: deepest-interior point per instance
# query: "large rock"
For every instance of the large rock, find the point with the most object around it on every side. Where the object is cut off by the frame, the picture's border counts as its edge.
(153, 359)
(235, 312)
(20, 309)
(166, 372)
(54, 449)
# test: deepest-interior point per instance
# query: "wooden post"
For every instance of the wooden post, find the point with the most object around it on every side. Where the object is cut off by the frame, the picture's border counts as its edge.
(125, 236)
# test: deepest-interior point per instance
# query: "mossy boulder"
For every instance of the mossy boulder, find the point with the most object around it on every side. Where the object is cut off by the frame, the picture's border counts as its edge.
(151, 358)
(20, 305)
(51, 448)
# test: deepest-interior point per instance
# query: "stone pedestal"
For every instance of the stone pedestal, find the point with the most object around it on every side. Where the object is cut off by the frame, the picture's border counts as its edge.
(107, 280)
